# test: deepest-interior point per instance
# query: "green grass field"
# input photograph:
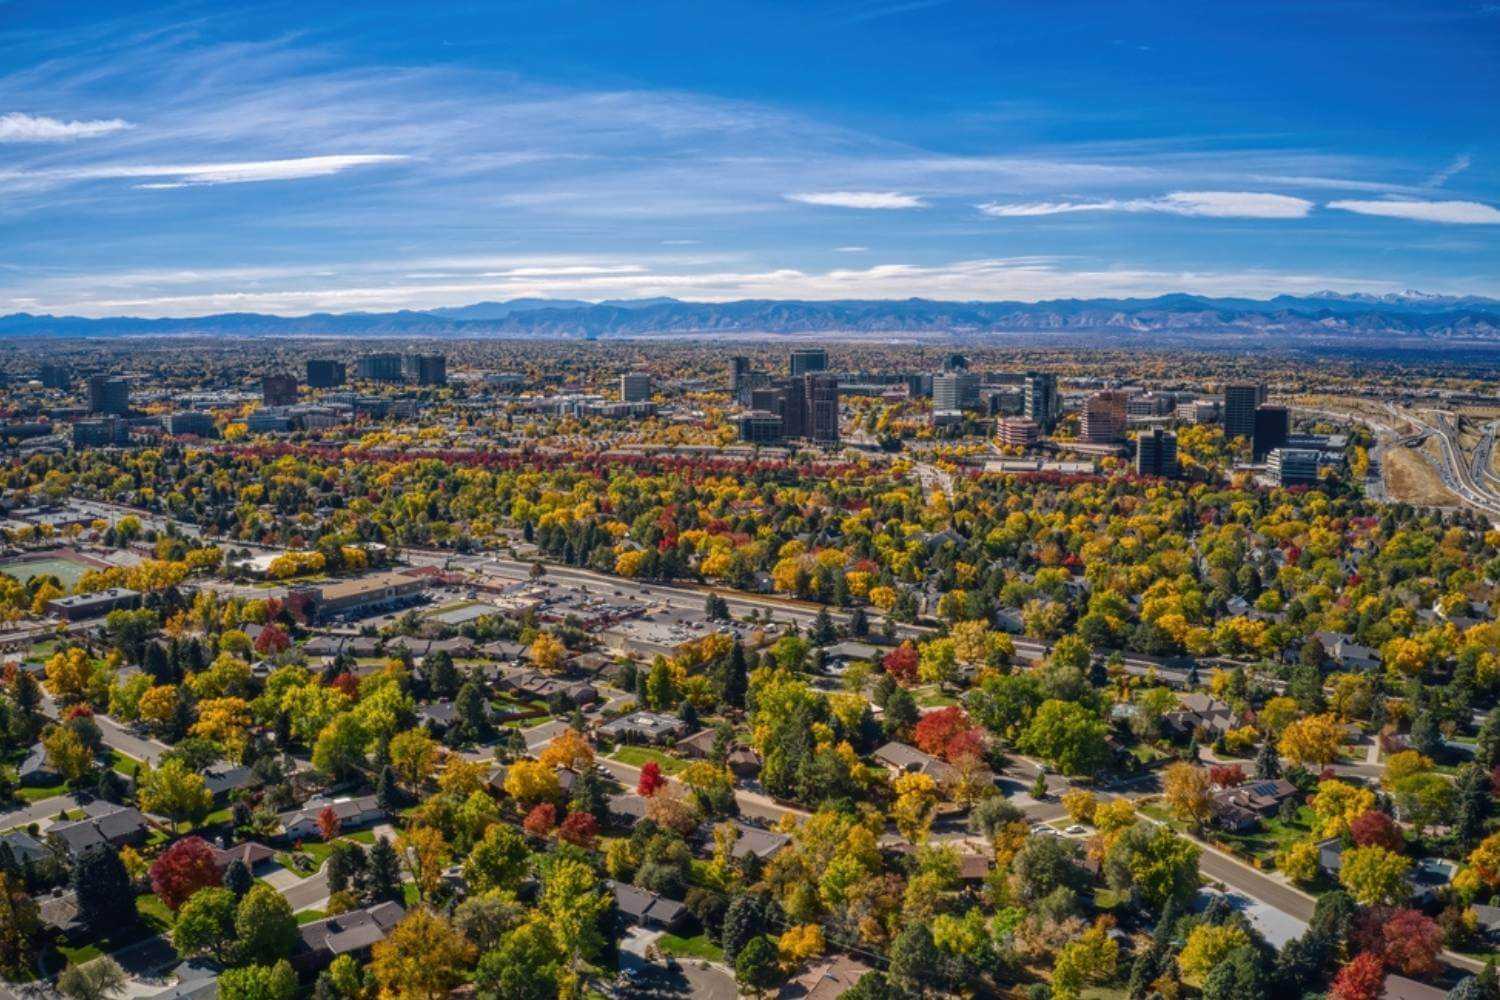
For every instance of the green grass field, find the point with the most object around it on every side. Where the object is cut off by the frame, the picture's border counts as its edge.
(67, 571)
(637, 757)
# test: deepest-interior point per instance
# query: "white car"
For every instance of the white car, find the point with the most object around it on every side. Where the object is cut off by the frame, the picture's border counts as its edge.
(1075, 830)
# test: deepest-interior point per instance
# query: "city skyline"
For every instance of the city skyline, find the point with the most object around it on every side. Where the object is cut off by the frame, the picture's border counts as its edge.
(289, 160)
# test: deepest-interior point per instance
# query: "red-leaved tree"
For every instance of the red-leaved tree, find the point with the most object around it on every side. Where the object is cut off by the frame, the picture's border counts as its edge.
(1362, 979)
(948, 733)
(272, 640)
(651, 780)
(1226, 775)
(328, 823)
(901, 663)
(1373, 828)
(541, 821)
(580, 828)
(1406, 940)
(182, 870)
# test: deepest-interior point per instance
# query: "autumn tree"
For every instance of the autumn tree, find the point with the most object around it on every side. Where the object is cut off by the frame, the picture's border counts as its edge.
(423, 956)
(182, 869)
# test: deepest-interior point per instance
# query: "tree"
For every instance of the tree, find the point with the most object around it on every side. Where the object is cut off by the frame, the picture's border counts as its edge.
(20, 925)
(413, 756)
(174, 791)
(915, 805)
(1362, 979)
(651, 780)
(530, 782)
(949, 734)
(1069, 736)
(756, 969)
(426, 854)
(547, 653)
(498, 861)
(1374, 828)
(568, 749)
(1267, 761)
(259, 982)
(574, 908)
(423, 956)
(1188, 793)
(915, 959)
(1239, 977)
(106, 902)
(1313, 741)
(1374, 875)
(264, 924)
(744, 918)
(1299, 862)
(95, 980)
(385, 871)
(340, 746)
(205, 923)
(580, 829)
(524, 966)
(1409, 941)
(1091, 957)
(1206, 947)
(1154, 864)
(182, 869)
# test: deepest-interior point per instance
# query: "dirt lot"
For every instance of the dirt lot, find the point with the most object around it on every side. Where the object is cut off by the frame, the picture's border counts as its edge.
(1411, 480)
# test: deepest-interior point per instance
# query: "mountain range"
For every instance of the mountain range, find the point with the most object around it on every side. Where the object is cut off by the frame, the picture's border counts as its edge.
(1320, 315)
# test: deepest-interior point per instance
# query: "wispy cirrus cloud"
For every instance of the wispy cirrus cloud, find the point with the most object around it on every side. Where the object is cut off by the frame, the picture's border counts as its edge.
(1205, 204)
(1471, 213)
(203, 174)
(1456, 166)
(859, 199)
(17, 126)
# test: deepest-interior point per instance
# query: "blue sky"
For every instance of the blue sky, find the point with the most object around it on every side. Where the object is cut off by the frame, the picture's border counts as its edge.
(181, 159)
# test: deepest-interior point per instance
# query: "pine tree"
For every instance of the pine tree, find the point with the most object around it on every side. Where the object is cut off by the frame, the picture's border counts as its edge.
(385, 872)
(859, 623)
(1267, 761)
(385, 789)
(736, 682)
(1487, 745)
(823, 630)
(237, 878)
(1473, 805)
(106, 903)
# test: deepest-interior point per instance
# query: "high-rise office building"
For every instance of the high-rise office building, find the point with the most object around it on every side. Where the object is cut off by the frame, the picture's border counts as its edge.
(324, 374)
(635, 386)
(1103, 417)
(55, 377)
(760, 427)
(1156, 453)
(1240, 401)
(1041, 403)
(808, 359)
(428, 369)
(955, 363)
(278, 390)
(794, 417)
(109, 395)
(739, 373)
(955, 390)
(1272, 425)
(379, 368)
(822, 403)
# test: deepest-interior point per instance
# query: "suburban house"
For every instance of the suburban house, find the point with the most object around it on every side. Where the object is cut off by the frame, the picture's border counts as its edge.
(302, 824)
(1244, 806)
(1201, 712)
(104, 824)
(751, 840)
(1347, 653)
(222, 778)
(645, 727)
(647, 909)
(826, 980)
(901, 758)
(355, 932)
(254, 856)
(35, 771)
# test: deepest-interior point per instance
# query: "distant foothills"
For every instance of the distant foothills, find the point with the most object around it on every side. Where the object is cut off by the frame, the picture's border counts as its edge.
(1321, 316)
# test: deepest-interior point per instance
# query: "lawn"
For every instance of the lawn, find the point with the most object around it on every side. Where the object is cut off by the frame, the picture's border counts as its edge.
(638, 756)
(697, 946)
(308, 916)
(39, 793)
(1272, 837)
(124, 764)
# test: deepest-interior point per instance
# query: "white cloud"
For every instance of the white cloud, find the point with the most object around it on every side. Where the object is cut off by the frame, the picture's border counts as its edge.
(1460, 163)
(859, 199)
(1205, 204)
(18, 127)
(851, 249)
(240, 173)
(1459, 212)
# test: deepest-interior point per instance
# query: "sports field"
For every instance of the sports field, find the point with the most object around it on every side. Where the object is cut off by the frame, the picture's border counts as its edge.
(67, 571)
